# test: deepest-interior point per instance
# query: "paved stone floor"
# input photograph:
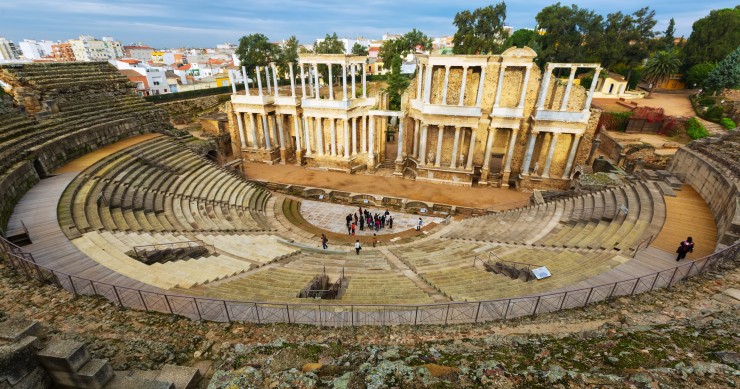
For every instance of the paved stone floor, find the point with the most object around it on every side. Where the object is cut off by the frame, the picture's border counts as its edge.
(331, 217)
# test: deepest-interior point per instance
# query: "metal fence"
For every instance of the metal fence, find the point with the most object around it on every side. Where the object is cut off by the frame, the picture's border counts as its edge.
(330, 314)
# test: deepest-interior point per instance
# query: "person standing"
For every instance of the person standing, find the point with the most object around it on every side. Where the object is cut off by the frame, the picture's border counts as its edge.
(324, 241)
(357, 246)
(362, 223)
(375, 239)
(390, 221)
(354, 228)
(418, 225)
(685, 247)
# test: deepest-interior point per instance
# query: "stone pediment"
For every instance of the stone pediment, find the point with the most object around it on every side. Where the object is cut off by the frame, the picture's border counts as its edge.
(520, 54)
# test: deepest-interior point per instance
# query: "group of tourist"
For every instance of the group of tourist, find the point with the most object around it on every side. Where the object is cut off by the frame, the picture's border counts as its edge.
(366, 218)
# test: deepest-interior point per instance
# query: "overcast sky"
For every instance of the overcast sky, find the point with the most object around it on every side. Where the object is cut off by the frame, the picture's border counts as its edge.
(177, 23)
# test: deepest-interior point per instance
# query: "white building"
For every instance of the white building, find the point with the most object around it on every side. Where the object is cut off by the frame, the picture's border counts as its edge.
(8, 51)
(32, 49)
(141, 52)
(87, 48)
(348, 43)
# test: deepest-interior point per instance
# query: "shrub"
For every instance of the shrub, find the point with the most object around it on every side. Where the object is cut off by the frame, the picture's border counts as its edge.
(615, 121)
(715, 113)
(706, 101)
(695, 129)
(727, 123)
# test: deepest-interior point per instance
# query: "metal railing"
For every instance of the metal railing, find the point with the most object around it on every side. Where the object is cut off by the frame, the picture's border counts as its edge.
(639, 246)
(183, 249)
(357, 314)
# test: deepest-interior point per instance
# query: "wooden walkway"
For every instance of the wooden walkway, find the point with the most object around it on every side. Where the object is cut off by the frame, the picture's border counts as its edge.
(687, 214)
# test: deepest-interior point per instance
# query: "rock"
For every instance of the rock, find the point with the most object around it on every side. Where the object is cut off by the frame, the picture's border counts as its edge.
(728, 357)
(391, 354)
(308, 367)
(439, 370)
(555, 374)
(343, 381)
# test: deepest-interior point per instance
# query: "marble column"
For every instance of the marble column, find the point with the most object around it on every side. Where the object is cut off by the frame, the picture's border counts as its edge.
(303, 82)
(510, 149)
(330, 83)
(524, 86)
(307, 132)
(266, 132)
(371, 144)
(281, 137)
(528, 154)
(353, 68)
(592, 90)
(344, 82)
(364, 81)
(399, 142)
(471, 150)
(455, 147)
(319, 137)
(292, 80)
(242, 133)
(489, 145)
(297, 129)
(568, 87)
(419, 71)
(363, 135)
(267, 79)
(444, 86)
(232, 82)
(550, 153)
(423, 145)
(438, 157)
(462, 86)
(316, 81)
(259, 80)
(333, 136)
(274, 78)
(544, 86)
(572, 155)
(416, 139)
(428, 84)
(346, 138)
(479, 97)
(354, 135)
(246, 83)
(499, 86)
(253, 126)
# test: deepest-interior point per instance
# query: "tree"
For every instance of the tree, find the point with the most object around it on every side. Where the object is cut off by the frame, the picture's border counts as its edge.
(480, 31)
(255, 50)
(287, 55)
(726, 74)
(392, 53)
(697, 74)
(358, 49)
(660, 67)
(567, 30)
(668, 35)
(397, 84)
(521, 38)
(713, 37)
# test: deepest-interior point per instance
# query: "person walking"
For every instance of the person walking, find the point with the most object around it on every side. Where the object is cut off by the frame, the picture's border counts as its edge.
(362, 223)
(685, 247)
(357, 246)
(375, 240)
(324, 241)
(354, 228)
(418, 225)
(390, 221)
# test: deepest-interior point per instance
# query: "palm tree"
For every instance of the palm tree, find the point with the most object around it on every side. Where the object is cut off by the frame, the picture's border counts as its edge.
(660, 67)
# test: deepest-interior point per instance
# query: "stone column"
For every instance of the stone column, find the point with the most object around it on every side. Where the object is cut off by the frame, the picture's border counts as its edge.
(307, 132)
(371, 145)
(354, 135)
(444, 86)
(346, 138)
(510, 149)
(363, 135)
(423, 145)
(543, 88)
(471, 149)
(231, 81)
(330, 83)
(489, 145)
(418, 81)
(303, 82)
(550, 153)
(572, 155)
(500, 86)
(592, 90)
(364, 81)
(528, 155)
(428, 84)
(568, 87)
(440, 134)
(267, 80)
(399, 143)
(333, 136)
(479, 97)
(266, 132)
(259, 80)
(455, 146)
(344, 82)
(281, 137)
(316, 81)
(297, 128)
(292, 80)
(274, 78)
(319, 137)
(524, 87)
(353, 67)
(416, 139)
(254, 131)
(242, 134)
(246, 83)
(462, 86)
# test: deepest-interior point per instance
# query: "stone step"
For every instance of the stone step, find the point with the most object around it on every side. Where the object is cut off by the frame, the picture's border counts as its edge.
(64, 355)
(122, 382)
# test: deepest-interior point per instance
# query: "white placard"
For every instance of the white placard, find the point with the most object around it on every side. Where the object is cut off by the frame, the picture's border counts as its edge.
(541, 272)
(365, 201)
(321, 197)
(423, 210)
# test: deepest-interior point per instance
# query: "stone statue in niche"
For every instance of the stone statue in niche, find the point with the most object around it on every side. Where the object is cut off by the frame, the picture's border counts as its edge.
(430, 157)
(328, 148)
(340, 149)
(535, 171)
(394, 122)
(462, 160)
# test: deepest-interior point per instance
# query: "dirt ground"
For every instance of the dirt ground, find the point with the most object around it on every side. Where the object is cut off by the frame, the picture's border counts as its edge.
(478, 197)
(673, 104)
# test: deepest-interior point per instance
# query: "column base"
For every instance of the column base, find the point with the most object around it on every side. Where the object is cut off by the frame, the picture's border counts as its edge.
(483, 181)
(371, 163)
(299, 157)
(283, 156)
(399, 169)
(505, 179)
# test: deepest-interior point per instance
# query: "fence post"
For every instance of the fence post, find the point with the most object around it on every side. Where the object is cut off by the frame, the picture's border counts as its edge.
(477, 311)
(287, 311)
(688, 274)
(670, 283)
(74, 289)
(611, 293)
(506, 312)
(118, 297)
(257, 311)
(655, 280)
(562, 302)
(166, 300)
(197, 308)
(637, 282)
(92, 285)
(536, 305)
(143, 301)
(416, 315)
(447, 314)
(588, 297)
(706, 262)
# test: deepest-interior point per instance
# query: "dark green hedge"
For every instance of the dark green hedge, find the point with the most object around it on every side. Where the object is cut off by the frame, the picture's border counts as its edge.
(168, 97)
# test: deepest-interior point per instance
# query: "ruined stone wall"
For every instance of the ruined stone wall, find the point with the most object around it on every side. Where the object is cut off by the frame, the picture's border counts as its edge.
(610, 148)
(186, 111)
(13, 185)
